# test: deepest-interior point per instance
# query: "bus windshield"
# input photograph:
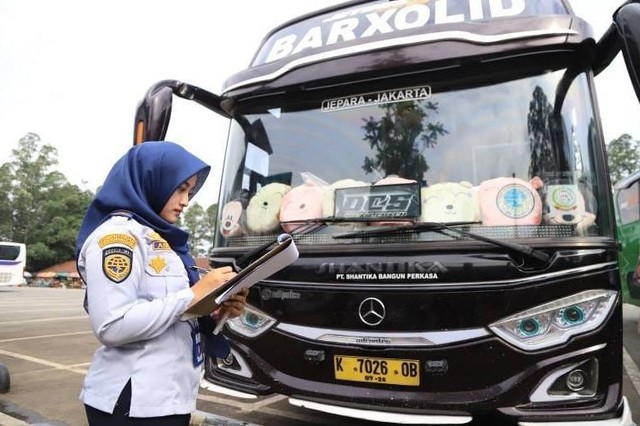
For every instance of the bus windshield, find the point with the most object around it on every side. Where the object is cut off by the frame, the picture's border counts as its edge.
(13, 257)
(510, 159)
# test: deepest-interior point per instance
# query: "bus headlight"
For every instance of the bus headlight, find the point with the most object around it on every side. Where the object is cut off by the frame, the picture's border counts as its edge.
(555, 322)
(251, 323)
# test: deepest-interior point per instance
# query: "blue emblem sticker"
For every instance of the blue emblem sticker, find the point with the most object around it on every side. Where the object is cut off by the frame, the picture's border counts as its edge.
(515, 201)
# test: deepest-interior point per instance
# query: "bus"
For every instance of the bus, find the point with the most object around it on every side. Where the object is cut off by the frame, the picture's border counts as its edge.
(13, 258)
(442, 169)
(627, 204)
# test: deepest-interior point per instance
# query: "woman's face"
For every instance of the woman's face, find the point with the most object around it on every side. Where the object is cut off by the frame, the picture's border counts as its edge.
(178, 200)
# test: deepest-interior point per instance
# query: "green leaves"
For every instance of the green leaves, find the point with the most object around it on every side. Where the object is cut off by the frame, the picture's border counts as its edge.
(200, 224)
(38, 206)
(623, 157)
(399, 138)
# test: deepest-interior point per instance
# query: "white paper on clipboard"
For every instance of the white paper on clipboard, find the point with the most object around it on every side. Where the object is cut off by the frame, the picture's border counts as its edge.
(279, 257)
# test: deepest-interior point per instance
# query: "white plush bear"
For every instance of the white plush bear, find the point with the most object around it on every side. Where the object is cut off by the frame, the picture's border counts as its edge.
(450, 202)
(264, 208)
(565, 205)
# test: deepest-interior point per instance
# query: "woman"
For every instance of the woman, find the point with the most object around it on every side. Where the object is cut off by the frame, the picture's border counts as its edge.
(140, 281)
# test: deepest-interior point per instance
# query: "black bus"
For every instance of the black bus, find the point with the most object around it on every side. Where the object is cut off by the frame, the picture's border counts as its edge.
(442, 169)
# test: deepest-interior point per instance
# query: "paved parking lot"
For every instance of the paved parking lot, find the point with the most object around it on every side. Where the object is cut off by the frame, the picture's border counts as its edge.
(46, 344)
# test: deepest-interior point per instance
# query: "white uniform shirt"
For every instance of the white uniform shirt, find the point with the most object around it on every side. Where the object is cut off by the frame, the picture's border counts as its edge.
(137, 290)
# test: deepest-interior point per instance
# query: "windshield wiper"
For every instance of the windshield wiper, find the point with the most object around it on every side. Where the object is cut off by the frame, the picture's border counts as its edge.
(333, 219)
(306, 226)
(442, 228)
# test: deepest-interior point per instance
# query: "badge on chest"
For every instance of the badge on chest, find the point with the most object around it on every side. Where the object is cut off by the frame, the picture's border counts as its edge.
(158, 263)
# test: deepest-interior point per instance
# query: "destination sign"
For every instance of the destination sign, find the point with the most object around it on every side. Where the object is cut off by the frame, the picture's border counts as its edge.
(374, 23)
(375, 98)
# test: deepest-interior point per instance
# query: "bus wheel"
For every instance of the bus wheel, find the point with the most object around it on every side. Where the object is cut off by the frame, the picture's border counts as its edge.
(4, 379)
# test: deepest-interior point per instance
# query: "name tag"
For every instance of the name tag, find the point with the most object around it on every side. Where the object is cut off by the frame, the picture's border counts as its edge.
(196, 341)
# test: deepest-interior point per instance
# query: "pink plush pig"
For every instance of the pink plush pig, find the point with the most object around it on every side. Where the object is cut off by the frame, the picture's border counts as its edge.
(510, 201)
(301, 203)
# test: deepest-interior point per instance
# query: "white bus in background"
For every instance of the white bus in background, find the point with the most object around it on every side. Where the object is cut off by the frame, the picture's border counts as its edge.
(13, 259)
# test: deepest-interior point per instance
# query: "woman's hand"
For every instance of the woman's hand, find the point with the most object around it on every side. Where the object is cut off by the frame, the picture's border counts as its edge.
(212, 280)
(234, 306)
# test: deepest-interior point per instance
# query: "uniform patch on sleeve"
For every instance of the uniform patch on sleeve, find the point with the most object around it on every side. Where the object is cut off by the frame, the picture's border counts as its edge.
(158, 243)
(116, 263)
(121, 239)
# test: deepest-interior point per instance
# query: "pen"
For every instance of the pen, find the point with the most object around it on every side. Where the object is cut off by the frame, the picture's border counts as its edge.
(220, 323)
(199, 270)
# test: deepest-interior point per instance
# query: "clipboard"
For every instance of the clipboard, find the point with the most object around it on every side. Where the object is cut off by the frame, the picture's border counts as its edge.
(279, 257)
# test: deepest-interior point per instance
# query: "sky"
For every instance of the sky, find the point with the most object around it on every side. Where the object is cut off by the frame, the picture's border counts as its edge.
(73, 71)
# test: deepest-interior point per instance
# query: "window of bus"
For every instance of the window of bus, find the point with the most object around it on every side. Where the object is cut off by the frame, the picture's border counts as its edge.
(629, 204)
(12, 263)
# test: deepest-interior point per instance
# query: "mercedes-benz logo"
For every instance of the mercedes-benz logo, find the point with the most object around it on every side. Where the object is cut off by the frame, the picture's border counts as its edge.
(371, 311)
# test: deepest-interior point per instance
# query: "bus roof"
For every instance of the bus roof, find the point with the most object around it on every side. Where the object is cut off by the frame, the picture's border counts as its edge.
(11, 243)
(359, 37)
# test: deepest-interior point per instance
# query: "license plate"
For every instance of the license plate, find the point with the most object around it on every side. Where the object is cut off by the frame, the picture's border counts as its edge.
(405, 372)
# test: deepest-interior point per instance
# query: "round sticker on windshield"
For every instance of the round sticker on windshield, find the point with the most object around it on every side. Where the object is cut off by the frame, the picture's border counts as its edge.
(515, 201)
(563, 197)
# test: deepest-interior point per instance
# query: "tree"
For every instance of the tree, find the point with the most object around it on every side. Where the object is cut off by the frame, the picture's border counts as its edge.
(623, 157)
(62, 211)
(543, 158)
(194, 221)
(6, 217)
(39, 207)
(29, 180)
(201, 225)
(400, 137)
(211, 217)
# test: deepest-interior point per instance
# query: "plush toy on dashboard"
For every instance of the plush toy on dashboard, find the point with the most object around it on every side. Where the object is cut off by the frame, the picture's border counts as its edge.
(450, 202)
(329, 198)
(232, 222)
(565, 205)
(393, 180)
(510, 201)
(301, 203)
(263, 211)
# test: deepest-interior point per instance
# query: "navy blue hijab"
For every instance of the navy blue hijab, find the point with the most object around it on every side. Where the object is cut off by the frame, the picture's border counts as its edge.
(141, 183)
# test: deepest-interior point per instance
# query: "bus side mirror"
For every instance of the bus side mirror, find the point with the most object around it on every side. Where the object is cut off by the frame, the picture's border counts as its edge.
(153, 113)
(627, 22)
